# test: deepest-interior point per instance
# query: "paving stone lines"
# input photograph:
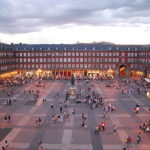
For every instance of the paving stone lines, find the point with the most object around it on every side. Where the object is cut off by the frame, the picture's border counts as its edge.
(67, 138)
(69, 135)
(23, 121)
(114, 119)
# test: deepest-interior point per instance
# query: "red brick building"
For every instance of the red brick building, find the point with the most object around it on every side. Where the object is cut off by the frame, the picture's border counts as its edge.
(62, 60)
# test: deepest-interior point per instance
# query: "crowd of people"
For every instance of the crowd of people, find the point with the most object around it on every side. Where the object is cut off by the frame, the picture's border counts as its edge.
(145, 127)
(93, 101)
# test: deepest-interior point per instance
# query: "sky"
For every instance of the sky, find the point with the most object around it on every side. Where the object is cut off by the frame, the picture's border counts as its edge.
(72, 21)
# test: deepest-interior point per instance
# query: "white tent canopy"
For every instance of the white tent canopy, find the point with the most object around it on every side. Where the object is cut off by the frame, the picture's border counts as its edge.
(147, 80)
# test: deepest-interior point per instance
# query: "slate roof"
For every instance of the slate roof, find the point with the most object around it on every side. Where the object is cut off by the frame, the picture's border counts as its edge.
(73, 47)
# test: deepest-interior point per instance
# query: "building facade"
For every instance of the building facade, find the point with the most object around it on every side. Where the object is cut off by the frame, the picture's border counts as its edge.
(62, 60)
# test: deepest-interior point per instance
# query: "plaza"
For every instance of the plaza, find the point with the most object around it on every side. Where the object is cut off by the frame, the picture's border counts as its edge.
(21, 133)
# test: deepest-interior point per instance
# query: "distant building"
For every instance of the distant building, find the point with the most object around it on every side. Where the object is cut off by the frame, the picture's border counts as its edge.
(62, 60)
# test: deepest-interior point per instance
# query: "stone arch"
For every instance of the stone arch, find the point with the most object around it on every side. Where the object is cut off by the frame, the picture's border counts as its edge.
(123, 70)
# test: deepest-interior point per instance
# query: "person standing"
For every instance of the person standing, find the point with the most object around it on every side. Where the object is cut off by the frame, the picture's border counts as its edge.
(138, 138)
(9, 119)
(6, 145)
(60, 109)
(73, 111)
(115, 129)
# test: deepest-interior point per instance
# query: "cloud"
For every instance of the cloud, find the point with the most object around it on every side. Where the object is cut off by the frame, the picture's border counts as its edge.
(24, 16)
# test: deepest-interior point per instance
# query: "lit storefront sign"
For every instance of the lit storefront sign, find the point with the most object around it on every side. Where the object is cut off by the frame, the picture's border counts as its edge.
(5, 75)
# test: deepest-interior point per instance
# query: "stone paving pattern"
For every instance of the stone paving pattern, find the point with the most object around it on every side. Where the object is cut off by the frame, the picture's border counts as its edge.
(22, 135)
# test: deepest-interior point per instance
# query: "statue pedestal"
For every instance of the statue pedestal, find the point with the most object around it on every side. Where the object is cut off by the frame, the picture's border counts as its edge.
(72, 92)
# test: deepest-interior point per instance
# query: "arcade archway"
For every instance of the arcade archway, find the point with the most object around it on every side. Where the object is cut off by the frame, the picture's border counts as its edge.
(122, 70)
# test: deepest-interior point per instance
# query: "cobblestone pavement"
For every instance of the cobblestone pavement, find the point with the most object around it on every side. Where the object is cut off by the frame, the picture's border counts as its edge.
(68, 135)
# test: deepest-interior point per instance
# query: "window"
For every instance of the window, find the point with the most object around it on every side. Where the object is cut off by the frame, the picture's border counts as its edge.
(73, 60)
(89, 65)
(61, 60)
(53, 59)
(65, 60)
(57, 60)
(123, 54)
(41, 60)
(97, 60)
(89, 53)
(122, 59)
(73, 65)
(32, 65)
(24, 54)
(77, 65)
(69, 60)
(114, 65)
(89, 59)
(85, 59)
(85, 53)
(102, 54)
(28, 54)
(81, 65)
(81, 59)
(77, 59)
(85, 65)
(81, 53)
(69, 65)
(73, 53)
(93, 54)
(93, 60)
(53, 54)
(69, 54)
(77, 53)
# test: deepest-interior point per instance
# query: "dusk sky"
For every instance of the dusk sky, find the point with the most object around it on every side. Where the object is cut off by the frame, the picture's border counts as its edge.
(72, 21)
